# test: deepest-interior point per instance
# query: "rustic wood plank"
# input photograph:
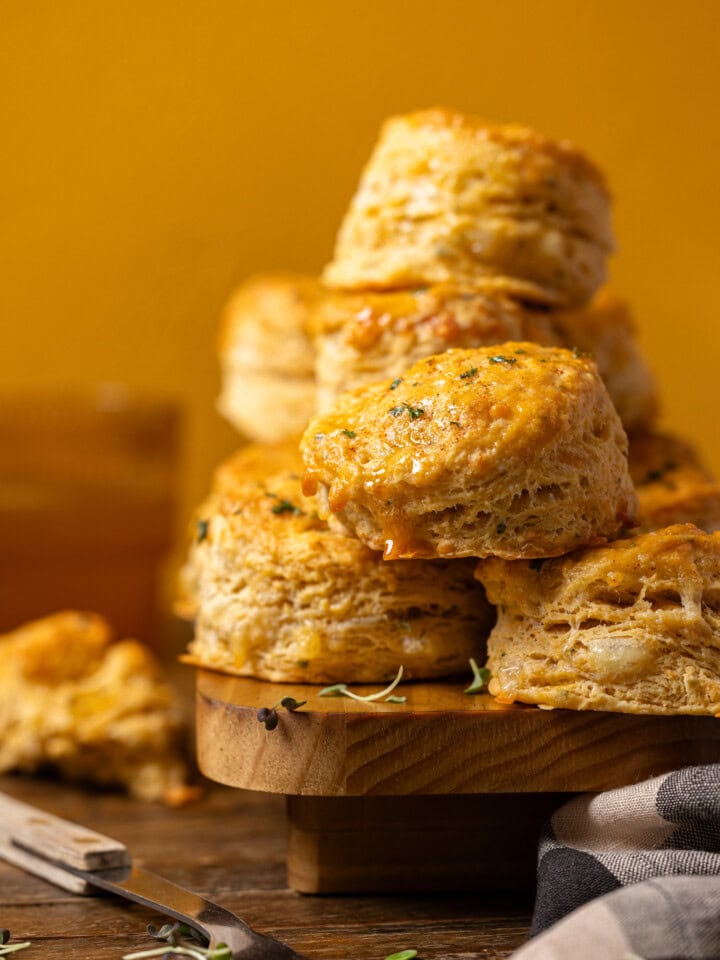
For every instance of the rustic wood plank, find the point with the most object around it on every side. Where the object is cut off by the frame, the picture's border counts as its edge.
(415, 844)
(230, 846)
(440, 742)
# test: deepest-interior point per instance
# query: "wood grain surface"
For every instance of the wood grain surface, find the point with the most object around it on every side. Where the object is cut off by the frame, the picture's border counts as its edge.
(440, 742)
(230, 846)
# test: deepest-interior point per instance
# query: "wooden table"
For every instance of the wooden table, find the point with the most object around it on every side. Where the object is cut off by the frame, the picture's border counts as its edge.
(231, 846)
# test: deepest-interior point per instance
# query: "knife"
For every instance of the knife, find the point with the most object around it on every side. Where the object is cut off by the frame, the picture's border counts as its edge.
(81, 861)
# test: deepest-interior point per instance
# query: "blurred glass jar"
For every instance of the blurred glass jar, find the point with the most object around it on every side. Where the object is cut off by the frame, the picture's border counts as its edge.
(87, 505)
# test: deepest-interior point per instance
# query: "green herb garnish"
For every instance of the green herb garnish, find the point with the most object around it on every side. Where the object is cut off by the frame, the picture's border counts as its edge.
(520, 350)
(403, 955)
(501, 359)
(469, 373)
(6, 948)
(414, 412)
(284, 506)
(341, 690)
(184, 941)
(395, 384)
(202, 530)
(350, 433)
(269, 715)
(481, 675)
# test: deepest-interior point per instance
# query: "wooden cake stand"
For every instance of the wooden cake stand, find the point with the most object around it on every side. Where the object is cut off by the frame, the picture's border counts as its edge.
(444, 792)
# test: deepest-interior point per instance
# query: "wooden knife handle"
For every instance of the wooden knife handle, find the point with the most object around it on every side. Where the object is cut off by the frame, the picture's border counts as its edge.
(44, 837)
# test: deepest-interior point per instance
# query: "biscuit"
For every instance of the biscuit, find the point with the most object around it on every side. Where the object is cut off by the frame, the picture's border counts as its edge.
(266, 358)
(632, 627)
(512, 451)
(361, 338)
(672, 483)
(446, 197)
(280, 596)
(606, 330)
(91, 709)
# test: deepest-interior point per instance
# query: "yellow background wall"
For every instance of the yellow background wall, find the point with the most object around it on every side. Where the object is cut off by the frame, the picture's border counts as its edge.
(156, 151)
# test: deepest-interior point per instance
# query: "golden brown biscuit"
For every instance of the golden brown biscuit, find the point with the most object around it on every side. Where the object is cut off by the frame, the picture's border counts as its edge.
(511, 451)
(672, 484)
(632, 627)
(92, 709)
(267, 360)
(280, 596)
(606, 330)
(362, 338)
(448, 197)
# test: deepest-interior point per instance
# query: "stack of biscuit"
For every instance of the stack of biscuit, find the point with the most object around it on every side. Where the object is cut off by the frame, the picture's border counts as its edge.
(468, 392)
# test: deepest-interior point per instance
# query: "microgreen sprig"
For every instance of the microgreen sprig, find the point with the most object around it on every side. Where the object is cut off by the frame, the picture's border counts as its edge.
(6, 948)
(269, 715)
(341, 690)
(403, 955)
(184, 941)
(481, 675)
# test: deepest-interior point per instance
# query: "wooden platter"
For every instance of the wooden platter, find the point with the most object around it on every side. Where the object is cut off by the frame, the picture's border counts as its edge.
(445, 791)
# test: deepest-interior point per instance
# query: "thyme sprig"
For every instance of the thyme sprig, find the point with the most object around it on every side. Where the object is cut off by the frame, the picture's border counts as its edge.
(184, 941)
(341, 690)
(481, 675)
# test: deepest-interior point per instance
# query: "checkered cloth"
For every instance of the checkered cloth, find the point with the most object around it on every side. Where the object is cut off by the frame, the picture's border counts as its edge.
(632, 873)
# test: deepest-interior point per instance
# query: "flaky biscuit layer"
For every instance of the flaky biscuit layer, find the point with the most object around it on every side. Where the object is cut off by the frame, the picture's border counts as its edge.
(672, 484)
(266, 357)
(632, 627)
(280, 596)
(512, 451)
(92, 709)
(447, 197)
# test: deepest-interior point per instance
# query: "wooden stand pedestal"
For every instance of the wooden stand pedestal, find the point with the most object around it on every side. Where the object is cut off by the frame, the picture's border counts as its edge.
(444, 792)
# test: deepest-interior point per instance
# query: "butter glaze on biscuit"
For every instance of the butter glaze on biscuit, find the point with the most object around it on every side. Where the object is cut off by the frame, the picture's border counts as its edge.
(632, 627)
(280, 596)
(512, 451)
(364, 337)
(447, 197)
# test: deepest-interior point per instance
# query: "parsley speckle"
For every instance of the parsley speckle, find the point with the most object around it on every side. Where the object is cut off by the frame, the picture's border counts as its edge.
(395, 384)
(501, 359)
(468, 373)
(413, 412)
(284, 506)
(350, 433)
(202, 530)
